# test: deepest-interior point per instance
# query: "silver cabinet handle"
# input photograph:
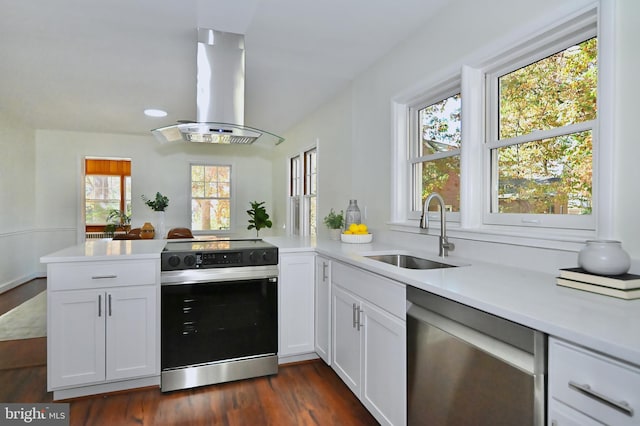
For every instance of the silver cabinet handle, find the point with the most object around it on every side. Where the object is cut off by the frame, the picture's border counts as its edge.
(360, 324)
(324, 271)
(99, 305)
(109, 305)
(103, 277)
(621, 406)
(353, 313)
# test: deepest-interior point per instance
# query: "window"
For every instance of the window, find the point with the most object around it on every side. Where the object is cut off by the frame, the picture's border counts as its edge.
(302, 193)
(541, 124)
(435, 151)
(522, 154)
(107, 187)
(210, 197)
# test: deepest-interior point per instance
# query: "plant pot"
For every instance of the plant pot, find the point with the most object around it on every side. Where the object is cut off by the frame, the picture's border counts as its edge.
(334, 234)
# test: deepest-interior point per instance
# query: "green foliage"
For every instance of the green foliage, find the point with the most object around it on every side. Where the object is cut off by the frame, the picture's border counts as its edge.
(334, 220)
(259, 217)
(158, 204)
(118, 217)
(549, 175)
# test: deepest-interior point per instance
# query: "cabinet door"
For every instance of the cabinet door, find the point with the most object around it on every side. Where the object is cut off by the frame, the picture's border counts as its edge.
(131, 335)
(295, 304)
(345, 337)
(76, 338)
(383, 365)
(323, 309)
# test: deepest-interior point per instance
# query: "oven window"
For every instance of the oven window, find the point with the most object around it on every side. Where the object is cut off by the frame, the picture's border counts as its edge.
(208, 322)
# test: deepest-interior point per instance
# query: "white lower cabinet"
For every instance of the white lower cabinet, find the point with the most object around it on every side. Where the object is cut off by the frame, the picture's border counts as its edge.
(296, 304)
(369, 342)
(588, 388)
(322, 309)
(102, 326)
(100, 335)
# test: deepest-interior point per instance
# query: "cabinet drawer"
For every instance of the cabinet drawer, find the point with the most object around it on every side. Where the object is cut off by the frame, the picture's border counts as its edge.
(387, 294)
(605, 389)
(86, 275)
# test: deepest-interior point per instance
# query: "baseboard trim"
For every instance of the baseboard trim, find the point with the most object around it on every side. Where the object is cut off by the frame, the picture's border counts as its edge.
(6, 286)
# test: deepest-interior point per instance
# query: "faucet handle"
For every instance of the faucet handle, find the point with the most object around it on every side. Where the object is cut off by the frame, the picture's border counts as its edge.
(448, 246)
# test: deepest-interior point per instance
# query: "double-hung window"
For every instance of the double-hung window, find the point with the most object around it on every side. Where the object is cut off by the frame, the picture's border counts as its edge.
(210, 197)
(511, 141)
(434, 149)
(302, 193)
(541, 131)
(107, 186)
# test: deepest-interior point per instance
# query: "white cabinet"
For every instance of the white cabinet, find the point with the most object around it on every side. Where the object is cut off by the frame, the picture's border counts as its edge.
(99, 329)
(585, 386)
(296, 304)
(322, 308)
(369, 340)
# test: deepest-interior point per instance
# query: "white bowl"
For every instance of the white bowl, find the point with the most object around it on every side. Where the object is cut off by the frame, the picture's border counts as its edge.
(356, 238)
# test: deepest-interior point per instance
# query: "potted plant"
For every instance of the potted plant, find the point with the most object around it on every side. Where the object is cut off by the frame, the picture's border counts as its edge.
(259, 217)
(120, 219)
(158, 205)
(334, 221)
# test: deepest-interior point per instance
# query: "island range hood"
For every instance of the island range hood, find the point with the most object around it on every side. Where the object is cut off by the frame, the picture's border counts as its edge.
(219, 96)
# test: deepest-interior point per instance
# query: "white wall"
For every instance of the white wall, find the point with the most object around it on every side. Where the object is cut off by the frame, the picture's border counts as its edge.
(17, 203)
(330, 128)
(461, 30)
(154, 167)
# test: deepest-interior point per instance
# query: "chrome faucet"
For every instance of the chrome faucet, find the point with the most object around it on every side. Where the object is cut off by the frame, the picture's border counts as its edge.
(444, 245)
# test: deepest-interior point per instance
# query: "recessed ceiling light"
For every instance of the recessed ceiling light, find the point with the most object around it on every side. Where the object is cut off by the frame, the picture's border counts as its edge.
(155, 112)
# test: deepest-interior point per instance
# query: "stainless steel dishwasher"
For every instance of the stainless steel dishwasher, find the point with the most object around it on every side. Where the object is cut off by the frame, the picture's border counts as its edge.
(467, 367)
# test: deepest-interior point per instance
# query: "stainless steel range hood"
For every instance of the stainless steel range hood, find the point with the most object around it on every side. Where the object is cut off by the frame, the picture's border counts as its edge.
(219, 96)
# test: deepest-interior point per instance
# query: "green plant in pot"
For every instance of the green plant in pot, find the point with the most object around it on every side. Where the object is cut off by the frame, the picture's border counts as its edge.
(120, 220)
(334, 221)
(159, 204)
(259, 218)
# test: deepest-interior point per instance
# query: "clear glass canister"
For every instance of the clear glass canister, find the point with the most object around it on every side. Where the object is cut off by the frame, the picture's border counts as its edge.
(353, 214)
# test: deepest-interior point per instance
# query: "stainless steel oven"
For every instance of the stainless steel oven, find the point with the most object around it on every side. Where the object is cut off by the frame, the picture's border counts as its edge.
(219, 312)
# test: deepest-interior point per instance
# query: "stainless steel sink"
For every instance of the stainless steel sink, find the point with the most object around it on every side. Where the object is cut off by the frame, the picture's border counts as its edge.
(408, 261)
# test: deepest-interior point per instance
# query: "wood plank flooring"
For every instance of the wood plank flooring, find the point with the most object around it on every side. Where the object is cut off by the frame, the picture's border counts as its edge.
(308, 393)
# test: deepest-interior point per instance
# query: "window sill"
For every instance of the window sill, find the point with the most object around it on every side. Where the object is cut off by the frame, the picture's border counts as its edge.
(556, 239)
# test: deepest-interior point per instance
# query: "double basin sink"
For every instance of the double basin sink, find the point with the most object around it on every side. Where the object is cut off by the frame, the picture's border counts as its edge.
(408, 261)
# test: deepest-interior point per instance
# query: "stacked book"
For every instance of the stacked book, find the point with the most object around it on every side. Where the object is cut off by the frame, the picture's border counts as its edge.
(625, 286)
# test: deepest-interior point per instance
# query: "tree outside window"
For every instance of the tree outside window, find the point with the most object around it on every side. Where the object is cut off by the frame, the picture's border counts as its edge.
(436, 162)
(210, 197)
(542, 160)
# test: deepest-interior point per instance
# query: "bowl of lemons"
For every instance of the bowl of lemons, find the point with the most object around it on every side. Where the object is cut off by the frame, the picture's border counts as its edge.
(357, 233)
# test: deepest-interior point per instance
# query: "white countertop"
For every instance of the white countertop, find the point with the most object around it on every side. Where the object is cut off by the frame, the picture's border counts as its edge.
(605, 324)
(107, 249)
(601, 323)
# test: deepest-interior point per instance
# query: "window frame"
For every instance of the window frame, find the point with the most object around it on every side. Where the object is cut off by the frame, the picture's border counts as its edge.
(529, 53)
(439, 93)
(231, 200)
(114, 168)
(301, 222)
(474, 176)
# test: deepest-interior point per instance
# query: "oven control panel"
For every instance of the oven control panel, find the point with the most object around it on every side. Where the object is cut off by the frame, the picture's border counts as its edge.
(174, 261)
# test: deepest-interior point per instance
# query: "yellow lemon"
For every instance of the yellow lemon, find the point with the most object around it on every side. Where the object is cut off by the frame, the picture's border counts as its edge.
(362, 228)
(353, 227)
(348, 232)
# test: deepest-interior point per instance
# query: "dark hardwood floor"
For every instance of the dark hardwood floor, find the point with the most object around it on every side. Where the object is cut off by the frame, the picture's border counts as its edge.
(308, 393)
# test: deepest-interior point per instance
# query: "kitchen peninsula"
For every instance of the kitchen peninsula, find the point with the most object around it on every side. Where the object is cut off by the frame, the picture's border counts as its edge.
(579, 324)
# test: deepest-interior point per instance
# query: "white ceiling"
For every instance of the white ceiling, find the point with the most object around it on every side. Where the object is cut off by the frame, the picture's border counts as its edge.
(95, 65)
